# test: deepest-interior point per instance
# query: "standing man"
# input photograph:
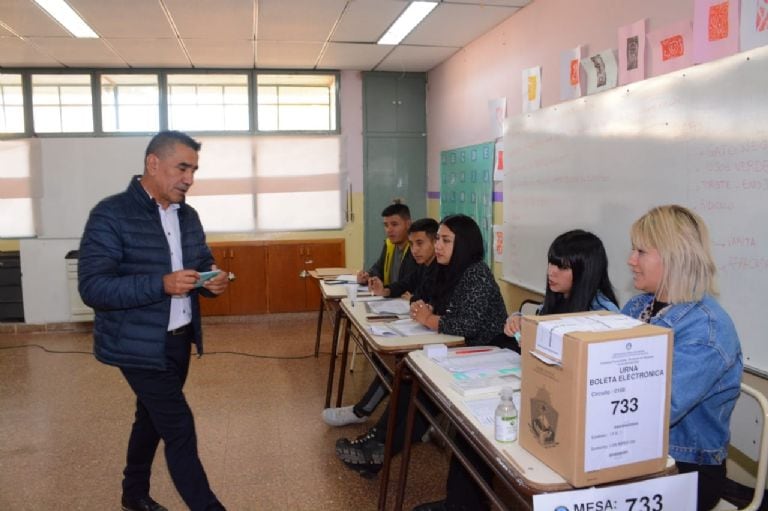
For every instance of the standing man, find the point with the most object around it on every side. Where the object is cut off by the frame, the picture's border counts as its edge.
(140, 256)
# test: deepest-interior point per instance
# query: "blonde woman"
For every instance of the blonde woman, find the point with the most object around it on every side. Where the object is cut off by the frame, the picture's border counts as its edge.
(672, 264)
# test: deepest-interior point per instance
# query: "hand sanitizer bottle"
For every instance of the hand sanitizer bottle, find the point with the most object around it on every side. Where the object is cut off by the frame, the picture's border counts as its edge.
(506, 417)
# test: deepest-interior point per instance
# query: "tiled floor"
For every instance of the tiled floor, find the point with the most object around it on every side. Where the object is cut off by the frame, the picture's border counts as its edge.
(65, 418)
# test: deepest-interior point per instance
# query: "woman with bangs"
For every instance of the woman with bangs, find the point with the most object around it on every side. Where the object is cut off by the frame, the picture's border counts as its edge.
(672, 264)
(577, 278)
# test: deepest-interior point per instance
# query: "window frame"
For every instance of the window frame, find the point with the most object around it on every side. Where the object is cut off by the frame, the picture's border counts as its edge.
(162, 74)
(11, 134)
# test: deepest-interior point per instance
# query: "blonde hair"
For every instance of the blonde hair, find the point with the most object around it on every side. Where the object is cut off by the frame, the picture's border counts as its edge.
(682, 240)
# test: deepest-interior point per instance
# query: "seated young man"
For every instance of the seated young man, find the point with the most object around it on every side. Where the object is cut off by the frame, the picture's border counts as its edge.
(395, 262)
(421, 234)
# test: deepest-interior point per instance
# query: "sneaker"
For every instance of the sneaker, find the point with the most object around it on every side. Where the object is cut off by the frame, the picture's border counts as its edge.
(342, 416)
(364, 450)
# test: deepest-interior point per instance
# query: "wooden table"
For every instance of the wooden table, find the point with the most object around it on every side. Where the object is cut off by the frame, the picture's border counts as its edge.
(351, 323)
(330, 296)
(517, 469)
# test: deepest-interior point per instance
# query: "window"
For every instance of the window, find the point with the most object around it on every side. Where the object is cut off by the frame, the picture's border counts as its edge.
(11, 104)
(296, 102)
(130, 103)
(62, 103)
(285, 186)
(16, 207)
(208, 102)
(265, 183)
(223, 189)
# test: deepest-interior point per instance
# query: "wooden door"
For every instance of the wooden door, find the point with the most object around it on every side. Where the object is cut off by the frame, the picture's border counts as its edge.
(285, 284)
(218, 306)
(248, 292)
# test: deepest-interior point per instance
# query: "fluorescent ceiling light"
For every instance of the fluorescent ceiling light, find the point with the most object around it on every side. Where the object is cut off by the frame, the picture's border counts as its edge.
(403, 25)
(65, 15)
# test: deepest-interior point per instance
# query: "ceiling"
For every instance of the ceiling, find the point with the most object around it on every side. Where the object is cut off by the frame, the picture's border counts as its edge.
(292, 34)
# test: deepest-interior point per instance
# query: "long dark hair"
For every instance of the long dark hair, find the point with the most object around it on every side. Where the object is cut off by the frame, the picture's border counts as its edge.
(468, 248)
(584, 254)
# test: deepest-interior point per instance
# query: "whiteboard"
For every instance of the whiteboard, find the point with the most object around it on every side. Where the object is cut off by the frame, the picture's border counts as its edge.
(697, 137)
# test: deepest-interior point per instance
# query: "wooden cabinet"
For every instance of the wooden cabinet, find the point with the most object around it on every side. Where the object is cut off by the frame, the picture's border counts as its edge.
(290, 287)
(271, 276)
(247, 294)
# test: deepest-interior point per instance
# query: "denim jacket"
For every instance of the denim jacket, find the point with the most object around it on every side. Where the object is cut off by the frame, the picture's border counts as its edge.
(601, 303)
(706, 376)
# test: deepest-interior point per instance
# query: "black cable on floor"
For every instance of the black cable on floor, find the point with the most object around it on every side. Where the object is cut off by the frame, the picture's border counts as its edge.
(252, 355)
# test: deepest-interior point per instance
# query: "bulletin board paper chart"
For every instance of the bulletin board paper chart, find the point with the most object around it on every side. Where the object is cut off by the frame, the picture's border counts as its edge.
(696, 137)
(466, 187)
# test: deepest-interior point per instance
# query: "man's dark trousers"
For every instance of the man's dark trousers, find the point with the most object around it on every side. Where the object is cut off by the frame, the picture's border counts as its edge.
(162, 412)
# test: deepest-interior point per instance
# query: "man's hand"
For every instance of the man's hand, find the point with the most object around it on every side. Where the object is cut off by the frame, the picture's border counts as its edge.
(179, 282)
(217, 284)
(377, 287)
(363, 277)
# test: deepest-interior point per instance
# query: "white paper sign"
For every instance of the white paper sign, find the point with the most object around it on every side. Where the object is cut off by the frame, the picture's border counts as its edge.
(676, 493)
(626, 391)
(549, 334)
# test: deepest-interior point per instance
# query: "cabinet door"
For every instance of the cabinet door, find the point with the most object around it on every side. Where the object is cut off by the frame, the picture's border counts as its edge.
(248, 292)
(218, 306)
(286, 289)
(380, 103)
(320, 255)
(395, 102)
(395, 167)
(411, 104)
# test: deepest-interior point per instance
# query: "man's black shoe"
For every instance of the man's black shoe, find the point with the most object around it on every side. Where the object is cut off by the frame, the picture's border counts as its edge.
(143, 504)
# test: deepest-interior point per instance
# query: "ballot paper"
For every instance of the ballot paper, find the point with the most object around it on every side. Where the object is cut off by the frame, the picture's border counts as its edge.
(482, 370)
(401, 328)
(396, 306)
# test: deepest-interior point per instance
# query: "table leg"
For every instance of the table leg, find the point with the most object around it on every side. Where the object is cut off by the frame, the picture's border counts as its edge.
(400, 493)
(332, 364)
(319, 327)
(391, 425)
(343, 372)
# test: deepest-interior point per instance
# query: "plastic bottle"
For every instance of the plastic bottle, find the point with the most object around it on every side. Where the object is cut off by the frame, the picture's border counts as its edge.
(506, 417)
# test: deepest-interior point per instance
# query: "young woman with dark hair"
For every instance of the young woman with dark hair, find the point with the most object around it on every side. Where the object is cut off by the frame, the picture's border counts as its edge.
(577, 278)
(466, 299)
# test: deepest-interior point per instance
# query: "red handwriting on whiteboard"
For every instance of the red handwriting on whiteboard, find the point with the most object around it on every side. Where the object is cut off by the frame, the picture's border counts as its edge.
(742, 263)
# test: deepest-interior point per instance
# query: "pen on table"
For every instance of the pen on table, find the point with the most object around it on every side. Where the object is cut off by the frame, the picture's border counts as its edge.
(466, 352)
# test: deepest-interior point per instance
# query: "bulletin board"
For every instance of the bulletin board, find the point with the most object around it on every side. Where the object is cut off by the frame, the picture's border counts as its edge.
(466, 187)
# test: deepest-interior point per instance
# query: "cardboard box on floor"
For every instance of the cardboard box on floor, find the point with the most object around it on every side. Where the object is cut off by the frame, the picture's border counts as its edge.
(601, 413)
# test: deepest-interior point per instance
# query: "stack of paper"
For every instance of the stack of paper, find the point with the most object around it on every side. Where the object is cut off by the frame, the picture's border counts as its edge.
(397, 307)
(401, 328)
(482, 370)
